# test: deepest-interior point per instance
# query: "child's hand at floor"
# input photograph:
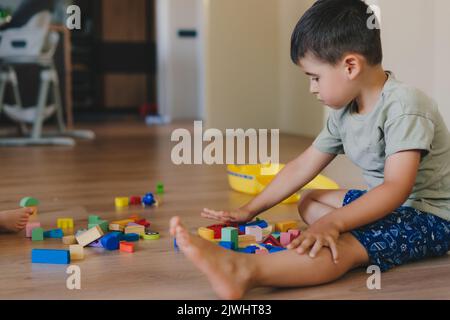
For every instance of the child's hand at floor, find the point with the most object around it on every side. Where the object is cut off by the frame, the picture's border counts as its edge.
(320, 234)
(238, 215)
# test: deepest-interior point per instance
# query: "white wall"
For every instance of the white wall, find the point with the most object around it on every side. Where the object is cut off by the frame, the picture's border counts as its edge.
(241, 71)
(416, 45)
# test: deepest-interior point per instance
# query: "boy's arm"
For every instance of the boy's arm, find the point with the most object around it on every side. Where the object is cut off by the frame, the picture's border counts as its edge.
(290, 179)
(399, 177)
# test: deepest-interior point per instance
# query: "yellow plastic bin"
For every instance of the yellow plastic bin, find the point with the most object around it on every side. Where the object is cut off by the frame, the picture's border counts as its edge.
(252, 179)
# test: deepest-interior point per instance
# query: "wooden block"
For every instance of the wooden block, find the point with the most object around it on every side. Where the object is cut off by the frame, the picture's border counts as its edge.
(230, 234)
(295, 233)
(140, 230)
(89, 236)
(101, 223)
(64, 223)
(135, 200)
(268, 230)
(110, 241)
(29, 228)
(143, 222)
(272, 241)
(284, 226)
(121, 202)
(123, 222)
(126, 247)
(69, 239)
(217, 228)
(286, 238)
(245, 240)
(255, 231)
(134, 218)
(93, 219)
(206, 233)
(76, 252)
(53, 256)
(116, 227)
(54, 233)
(226, 245)
(37, 234)
(29, 202)
(35, 210)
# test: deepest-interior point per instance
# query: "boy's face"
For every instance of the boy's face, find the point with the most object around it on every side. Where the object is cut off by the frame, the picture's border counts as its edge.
(332, 85)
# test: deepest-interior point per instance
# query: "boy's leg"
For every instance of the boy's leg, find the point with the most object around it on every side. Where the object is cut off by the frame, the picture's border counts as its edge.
(232, 274)
(14, 220)
(316, 203)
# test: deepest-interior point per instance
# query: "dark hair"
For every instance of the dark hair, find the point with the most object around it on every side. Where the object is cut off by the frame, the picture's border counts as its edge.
(331, 28)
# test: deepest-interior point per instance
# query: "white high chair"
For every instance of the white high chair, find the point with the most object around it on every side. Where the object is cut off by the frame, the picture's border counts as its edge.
(34, 44)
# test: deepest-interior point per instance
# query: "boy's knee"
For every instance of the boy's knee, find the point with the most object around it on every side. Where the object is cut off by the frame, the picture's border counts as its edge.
(306, 197)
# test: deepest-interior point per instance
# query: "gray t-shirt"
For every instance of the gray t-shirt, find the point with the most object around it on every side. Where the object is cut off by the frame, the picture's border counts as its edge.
(404, 118)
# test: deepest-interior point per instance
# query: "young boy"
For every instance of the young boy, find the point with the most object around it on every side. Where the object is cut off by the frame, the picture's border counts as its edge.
(393, 132)
(14, 220)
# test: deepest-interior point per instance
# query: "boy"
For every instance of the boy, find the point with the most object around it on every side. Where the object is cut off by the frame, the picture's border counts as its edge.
(14, 220)
(393, 132)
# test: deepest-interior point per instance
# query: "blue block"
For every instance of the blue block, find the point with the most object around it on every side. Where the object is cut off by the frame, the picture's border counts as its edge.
(111, 241)
(53, 256)
(250, 249)
(129, 237)
(273, 249)
(55, 233)
(148, 199)
(226, 244)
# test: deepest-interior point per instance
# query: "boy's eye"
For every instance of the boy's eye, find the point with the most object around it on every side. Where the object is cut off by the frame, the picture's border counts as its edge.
(315, 79)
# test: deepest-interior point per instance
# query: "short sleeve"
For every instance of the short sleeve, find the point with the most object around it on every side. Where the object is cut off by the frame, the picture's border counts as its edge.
(409, 132)
(329, 140)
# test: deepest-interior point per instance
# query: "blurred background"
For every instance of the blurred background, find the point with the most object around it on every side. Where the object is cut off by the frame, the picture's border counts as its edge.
(222, 61)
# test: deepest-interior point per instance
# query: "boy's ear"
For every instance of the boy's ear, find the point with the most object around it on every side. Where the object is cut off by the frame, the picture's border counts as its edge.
(352, 64)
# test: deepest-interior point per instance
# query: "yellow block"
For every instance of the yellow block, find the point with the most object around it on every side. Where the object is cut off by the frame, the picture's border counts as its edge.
(123, 222)
(206, 233)
(284, 226)
(76, 252)
(121, 202)
(64, 223)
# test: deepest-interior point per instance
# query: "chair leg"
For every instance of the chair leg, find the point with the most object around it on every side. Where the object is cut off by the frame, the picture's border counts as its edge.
(58, 101)
(17, 99)
(42, 101)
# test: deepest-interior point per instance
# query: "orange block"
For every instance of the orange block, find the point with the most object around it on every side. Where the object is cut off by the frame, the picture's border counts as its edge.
(127, 247)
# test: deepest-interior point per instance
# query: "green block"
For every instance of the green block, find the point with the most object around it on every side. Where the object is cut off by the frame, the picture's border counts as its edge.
(230, 234)
(37, 234)
(93, 219)
(29, 202)
(103, 224)
(276, 235)
(159, 188)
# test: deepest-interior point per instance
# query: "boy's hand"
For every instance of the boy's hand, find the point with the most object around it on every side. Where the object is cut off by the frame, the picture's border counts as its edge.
(320, 234)
(238, 215)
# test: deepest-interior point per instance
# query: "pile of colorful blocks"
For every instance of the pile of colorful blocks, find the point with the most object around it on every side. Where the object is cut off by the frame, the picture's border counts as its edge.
(117, 235)
(256, 237)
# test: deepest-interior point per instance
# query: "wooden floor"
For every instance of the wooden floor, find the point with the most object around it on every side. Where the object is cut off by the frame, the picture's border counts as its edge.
(127, 159)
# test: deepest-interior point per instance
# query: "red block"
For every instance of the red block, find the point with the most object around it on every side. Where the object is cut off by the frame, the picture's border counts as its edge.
(143, 222)
(135, 200)
(271, 240)
(126, 247)
(217, 228)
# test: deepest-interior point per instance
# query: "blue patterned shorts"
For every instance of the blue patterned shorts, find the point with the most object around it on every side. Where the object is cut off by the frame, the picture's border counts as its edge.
(405, 235)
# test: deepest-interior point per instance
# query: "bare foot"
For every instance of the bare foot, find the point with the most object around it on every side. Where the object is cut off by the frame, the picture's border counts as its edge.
(229, 273)
(14, 220)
